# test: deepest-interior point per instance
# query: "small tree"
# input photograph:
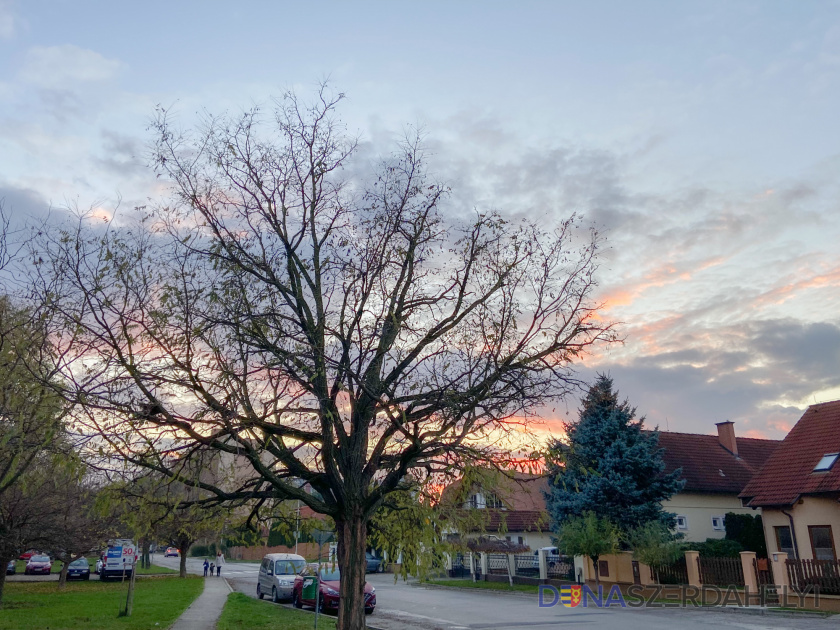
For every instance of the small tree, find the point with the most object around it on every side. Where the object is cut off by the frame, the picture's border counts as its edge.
(611, 466)
(654, 545)
(747, 530)
(589, 535)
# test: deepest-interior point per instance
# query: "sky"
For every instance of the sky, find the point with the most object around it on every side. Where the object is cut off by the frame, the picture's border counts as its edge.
(701, 138)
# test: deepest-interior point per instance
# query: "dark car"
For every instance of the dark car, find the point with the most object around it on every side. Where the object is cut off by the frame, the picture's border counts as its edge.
(328, 590)
(11, 568)
(374, 564)
(79, 570)
(38, 565)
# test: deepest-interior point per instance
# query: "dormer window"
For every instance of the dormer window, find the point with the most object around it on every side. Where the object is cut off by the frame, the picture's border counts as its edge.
(826, 462)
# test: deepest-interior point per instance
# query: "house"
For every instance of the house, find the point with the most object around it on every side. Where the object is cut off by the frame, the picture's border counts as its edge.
(513, 510)
(798, 489)
(716, 468)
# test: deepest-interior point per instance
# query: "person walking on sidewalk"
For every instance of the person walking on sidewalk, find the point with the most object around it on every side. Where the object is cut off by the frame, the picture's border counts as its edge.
(206, 566)
(220, 561)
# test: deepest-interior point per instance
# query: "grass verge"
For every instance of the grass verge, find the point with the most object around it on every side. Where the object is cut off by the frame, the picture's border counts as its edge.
(492, 586)
(242, 611)
(95, 605)
(155, 570)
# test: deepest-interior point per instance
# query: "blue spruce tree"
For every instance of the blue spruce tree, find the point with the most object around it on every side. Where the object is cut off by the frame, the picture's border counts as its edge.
(611, 466)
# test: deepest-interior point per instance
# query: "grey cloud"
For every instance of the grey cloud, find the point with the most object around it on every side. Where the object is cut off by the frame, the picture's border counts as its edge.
(122, 155)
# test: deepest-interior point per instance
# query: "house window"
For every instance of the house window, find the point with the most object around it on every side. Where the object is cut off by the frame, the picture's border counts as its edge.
(784, 541)
(822, 543)
(493, 501)
(717, 524)
(826, 462)
(682, 522)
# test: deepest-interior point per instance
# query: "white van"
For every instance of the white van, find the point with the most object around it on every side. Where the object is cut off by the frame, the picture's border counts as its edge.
(277, 575)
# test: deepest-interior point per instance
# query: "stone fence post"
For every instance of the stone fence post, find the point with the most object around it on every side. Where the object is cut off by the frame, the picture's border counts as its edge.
(692, 569)
(543, 562)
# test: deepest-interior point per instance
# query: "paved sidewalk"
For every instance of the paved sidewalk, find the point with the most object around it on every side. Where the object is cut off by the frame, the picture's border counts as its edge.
(206, 609)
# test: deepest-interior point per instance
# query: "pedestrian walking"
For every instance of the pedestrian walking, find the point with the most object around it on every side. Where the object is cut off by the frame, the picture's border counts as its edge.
(220, 561)
(212, 566)
(206, 566)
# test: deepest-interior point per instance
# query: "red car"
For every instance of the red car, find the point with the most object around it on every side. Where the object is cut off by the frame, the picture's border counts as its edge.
(328, 587)
(27, 554)
(38, 564)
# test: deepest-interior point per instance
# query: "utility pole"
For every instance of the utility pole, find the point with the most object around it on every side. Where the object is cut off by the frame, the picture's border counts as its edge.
(297, 526)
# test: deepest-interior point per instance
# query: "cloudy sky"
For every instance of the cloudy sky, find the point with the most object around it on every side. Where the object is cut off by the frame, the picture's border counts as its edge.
(703, 138)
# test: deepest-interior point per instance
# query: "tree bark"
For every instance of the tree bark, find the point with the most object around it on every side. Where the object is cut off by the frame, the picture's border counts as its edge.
(62, 577)
(595, 566)
(5, 562)
(352, 539)
(184, 544)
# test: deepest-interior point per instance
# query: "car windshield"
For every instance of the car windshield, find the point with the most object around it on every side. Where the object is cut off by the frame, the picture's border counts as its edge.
(329, 574)
(288, 567)
(40, 558)
(81, 562)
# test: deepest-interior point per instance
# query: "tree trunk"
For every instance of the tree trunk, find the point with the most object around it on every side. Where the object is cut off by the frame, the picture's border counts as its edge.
(145, 562)
(5, 562)
(352, 540)
(595, 565)
(184, 544)
(62, 577)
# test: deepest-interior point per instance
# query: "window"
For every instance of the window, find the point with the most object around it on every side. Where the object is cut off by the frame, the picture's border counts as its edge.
(682, 522)
(784, 541)
(826, 462)
(603, 568)
(822, 543)
(493, 501)
(717, 523)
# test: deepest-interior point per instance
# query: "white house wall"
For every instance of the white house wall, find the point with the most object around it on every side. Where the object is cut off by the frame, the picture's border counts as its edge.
(699, 508)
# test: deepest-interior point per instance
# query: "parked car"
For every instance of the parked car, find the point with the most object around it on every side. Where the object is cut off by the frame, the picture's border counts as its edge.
(170, 552)
(374, 564)
(11, 568)
(27, 554)
(328, 590)
(38, 564)
(79, 570)
(277, 575)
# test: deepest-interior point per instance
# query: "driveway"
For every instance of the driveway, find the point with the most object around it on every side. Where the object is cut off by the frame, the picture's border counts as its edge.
(403, 606)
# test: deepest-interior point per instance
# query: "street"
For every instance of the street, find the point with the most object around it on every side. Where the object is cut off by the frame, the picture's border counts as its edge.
(404, 606)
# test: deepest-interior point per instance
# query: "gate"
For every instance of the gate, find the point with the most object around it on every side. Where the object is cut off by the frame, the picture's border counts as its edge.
(763, 572)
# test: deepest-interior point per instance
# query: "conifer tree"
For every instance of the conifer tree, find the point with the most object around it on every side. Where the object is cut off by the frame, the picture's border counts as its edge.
(611, 465)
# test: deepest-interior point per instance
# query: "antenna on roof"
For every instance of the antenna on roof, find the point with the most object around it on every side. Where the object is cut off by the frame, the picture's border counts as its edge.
(666, 424)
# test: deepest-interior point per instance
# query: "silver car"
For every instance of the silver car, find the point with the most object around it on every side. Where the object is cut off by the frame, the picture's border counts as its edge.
(277, 575)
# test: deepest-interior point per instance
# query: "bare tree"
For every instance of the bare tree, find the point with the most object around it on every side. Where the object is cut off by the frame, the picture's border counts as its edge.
(312, 327)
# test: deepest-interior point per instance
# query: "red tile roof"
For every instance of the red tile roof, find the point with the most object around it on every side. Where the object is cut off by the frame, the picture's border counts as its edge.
(789, 473)
(709, 467)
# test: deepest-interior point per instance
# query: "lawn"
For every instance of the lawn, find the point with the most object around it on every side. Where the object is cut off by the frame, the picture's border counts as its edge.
(493, 586)
(96, 605)
(242, 611)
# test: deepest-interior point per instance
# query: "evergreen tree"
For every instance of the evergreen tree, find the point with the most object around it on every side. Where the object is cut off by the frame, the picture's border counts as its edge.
(610, 466)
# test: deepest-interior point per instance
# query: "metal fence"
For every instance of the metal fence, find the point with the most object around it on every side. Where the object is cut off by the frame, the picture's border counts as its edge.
(561, 567)
(497, 564)
(823, 574)
(676, 573)
(721, 571)
(527, 565)
(460, 566)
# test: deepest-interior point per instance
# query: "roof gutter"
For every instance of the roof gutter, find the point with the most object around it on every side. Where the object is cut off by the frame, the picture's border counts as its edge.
(792, 534)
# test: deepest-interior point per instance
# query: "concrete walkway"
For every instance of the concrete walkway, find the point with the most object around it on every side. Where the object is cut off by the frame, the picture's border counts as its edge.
(206, 609)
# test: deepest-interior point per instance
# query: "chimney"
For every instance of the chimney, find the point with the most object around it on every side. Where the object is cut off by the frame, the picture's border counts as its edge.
(726, 436)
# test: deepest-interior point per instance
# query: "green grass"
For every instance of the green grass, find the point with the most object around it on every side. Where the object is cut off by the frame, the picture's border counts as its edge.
(493, 586)
(96, 605)
(242, 611)
(155, 570)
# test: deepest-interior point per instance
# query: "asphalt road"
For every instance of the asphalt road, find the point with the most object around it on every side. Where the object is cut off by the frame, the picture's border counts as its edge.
(405, 606)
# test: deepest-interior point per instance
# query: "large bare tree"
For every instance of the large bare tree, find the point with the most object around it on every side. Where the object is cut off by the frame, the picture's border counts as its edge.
(314, 325)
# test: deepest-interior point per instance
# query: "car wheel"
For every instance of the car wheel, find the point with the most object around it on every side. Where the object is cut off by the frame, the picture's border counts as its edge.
(274, 597)
(322, 606)
(381, 568)
(87, 577)
(296, 600)
(369, 611)
(259, 592)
